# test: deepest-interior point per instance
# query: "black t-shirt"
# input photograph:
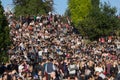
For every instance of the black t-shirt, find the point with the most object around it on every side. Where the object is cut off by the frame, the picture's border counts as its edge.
(82, 70)
(2, 69)
(91, 69)
(99, 78)
(56, 78)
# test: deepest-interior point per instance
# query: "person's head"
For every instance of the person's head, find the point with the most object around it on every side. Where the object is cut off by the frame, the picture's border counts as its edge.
(14, 77)
(29, 76)
(97, 73)
(4, 76)
(39, 72)
(19, 78)
(53, 75)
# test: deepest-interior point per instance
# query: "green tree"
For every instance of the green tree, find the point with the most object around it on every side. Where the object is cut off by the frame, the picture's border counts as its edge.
(95, 3)
(93, 19)
(67, 12)
(4, 36)
(79, 9)
(100, 22)
(33, 7)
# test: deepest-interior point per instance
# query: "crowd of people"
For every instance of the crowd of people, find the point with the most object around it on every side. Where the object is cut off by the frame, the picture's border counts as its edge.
(46, 47)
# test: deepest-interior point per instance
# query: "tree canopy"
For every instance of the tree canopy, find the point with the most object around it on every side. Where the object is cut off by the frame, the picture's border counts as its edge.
(79, 9)
(4, 35)
(33, 7)
(97, 21)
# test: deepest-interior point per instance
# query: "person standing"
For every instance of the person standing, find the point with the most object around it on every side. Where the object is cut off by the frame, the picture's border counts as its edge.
(49, 68)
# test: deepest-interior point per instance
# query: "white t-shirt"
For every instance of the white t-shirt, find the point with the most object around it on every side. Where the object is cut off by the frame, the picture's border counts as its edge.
(45, 50)
(40, 53)
(99, 69)
(20, 68)
(72, 71)
(102, 75)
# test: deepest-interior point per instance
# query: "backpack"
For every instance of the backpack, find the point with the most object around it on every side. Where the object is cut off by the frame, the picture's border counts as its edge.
(65, 69)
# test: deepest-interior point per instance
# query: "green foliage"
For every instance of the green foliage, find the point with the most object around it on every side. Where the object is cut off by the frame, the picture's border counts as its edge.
(79, 9)
(92, 19)
(95, 3)
(33, 7)
(4, 36)
(67, 12)
(100, 22)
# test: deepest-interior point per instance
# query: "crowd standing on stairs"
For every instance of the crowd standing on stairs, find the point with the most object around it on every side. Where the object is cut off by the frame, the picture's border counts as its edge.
(47, 47)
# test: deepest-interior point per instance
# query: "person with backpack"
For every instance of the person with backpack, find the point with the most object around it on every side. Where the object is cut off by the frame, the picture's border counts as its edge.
(72, 68)
(49, 68)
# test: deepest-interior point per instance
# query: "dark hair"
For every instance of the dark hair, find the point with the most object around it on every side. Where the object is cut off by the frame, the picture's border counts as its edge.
(20, 78)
